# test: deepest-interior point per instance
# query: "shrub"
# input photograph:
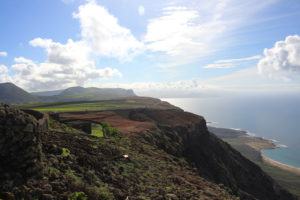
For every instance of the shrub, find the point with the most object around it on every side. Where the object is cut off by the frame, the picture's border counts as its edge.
(111, 131)
(65, 152)
(78, 196)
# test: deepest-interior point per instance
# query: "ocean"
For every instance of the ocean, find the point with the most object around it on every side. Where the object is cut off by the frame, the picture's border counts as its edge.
(273, 117)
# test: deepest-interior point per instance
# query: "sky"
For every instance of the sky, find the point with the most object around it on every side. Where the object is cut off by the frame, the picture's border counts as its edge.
(170, 48)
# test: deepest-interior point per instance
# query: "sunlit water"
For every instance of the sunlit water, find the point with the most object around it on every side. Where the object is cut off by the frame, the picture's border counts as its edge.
(271, 117)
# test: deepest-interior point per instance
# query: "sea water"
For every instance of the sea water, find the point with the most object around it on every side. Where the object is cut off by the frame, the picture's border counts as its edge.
(288, 156)
(273, 117)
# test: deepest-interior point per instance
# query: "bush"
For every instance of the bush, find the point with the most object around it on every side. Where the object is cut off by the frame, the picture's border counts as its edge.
(78, 196)
(111, 131)
(65, 152)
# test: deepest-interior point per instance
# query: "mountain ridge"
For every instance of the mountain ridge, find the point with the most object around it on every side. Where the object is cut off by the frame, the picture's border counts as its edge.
(12, 94)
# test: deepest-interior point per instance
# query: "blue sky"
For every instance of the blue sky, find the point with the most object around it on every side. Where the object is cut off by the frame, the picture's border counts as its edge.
(158, 48)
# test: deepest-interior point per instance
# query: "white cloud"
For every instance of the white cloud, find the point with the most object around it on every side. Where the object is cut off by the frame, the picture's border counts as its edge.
(141, 10)
(72, 63)
(178, 35)
(282, 60)
(239, 59)
(22, 60)
(219, 66)
(185, 34)
(186, 88)
(3, 53)
(3, 69)
(243, 81)
(66, 65)
(230, 63)
(102, 31)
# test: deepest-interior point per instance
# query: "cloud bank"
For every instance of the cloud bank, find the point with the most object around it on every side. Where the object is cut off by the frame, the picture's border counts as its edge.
(282, 60)
(3, 69)
(185, 34)
(103, 33)
(72, 63)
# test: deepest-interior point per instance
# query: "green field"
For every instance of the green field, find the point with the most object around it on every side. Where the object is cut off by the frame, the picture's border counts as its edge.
(83, 106)
(138, 102)
(97, 130)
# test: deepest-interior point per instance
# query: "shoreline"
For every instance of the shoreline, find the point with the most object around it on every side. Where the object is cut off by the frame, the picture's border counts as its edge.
(280, 165)
(258, 144)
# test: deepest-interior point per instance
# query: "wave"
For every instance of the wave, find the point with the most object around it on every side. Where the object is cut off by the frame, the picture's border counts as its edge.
(273, 140)
(209, 122)
(250, 134)
(282, 145)
(276, 142)
(236, 129)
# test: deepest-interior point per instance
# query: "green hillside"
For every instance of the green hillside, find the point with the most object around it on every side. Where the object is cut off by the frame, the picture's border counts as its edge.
(10, 93)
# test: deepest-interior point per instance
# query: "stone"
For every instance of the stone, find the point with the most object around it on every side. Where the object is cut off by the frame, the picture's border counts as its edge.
(29, 128)
(171, 196)
(47, 187)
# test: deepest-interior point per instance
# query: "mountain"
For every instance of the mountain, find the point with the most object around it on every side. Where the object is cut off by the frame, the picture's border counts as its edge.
(149, 154)
(10, 93)
(92, 94)
(47, 93)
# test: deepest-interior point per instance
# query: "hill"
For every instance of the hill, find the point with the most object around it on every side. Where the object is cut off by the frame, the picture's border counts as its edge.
(11, 94)
(92, 94)
(47, 93)
(145, 153)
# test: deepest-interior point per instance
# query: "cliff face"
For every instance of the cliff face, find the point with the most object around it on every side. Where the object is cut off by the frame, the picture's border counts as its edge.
(163, 154)
(185, 135)
(20, 147)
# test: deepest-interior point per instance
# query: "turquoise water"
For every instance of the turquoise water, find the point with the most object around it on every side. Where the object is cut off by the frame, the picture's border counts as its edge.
(271, 117)
(288, 156)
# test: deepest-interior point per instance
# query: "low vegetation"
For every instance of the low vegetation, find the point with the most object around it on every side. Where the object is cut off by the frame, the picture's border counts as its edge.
(125, 103)
(97, 130)
(61, 127)
(65, 152)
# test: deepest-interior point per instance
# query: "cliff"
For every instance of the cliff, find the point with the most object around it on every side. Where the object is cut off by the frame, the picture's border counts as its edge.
(159, 154)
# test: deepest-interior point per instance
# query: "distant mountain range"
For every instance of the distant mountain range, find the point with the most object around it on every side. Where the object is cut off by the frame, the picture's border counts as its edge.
(12, 94)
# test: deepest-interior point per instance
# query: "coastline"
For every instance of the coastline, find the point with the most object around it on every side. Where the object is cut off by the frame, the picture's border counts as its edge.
(269, 144)
(280, 165)
(257, 144)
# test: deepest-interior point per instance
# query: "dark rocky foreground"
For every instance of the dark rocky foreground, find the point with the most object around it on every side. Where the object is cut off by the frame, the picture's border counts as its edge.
(162, 154)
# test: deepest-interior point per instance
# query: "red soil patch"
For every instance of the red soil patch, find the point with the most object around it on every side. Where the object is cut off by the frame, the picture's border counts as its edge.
(140, 120)
(126, 126)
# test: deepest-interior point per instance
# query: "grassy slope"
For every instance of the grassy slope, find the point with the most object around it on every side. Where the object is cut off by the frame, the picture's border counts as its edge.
(126, 103)
(287, 179)
(148, 173)
(97, 130)
(11, 93)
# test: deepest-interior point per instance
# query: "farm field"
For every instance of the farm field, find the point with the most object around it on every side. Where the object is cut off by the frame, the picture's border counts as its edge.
(125, 103)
